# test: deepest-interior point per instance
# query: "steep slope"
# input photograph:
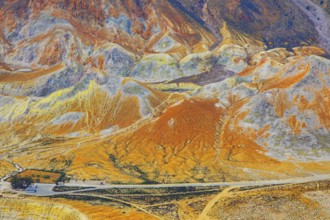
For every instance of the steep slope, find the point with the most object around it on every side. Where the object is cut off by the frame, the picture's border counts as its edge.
(138, 27)
(268, 122)
(128, 91)
(320, 18)
(72, 111)
(276, 23)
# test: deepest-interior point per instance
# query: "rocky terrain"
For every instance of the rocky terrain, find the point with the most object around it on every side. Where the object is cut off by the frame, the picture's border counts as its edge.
(32, 209)
(131, 91)
(308, 201)
(150, 86)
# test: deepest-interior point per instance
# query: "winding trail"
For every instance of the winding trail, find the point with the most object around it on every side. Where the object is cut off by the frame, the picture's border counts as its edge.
(19, 169)
(120, 201)
(211, 203)
(45, 190)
